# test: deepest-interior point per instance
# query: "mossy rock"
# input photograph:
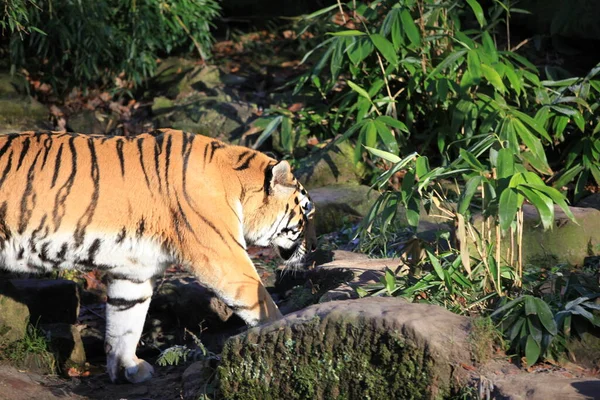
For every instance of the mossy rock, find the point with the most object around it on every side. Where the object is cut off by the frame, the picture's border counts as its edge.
(567, 242)
(371, 348)
(331, 167)
(14, 317)
(340, 205)
(218, 116)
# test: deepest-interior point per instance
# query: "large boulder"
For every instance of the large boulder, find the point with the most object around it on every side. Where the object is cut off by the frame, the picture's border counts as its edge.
(341, 204)
(567, 241)
(330, 167)
(369, 348)
(18, 110)
(200, 99)
(221, 116)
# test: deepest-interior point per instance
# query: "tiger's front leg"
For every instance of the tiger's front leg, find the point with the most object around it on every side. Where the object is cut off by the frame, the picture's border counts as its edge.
(126, 310)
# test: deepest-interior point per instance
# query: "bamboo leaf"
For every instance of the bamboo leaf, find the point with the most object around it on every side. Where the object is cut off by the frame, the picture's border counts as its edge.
(435, 262)
(385, 48)
(347, 33)
(542, 203)
(478, 11)
(507, 207)
(492, 76)
(467, 195)
(410, 29)
(386, 135)
(383, 154)
(362, 92)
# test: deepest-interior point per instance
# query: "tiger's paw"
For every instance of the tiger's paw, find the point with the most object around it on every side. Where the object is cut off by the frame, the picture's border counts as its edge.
(140, 372)
(132, 371)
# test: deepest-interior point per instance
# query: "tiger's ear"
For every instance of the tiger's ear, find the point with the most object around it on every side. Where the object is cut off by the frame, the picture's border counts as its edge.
(281, 175)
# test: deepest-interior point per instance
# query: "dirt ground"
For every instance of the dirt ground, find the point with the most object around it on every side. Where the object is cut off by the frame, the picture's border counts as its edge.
(20, 385)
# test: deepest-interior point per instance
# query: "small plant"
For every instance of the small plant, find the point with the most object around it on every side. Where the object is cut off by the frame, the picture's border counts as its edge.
(179, 354)
(34, 347)
(529, 325)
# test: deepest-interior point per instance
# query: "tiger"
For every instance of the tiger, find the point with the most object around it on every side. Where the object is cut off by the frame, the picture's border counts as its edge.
(133, 206)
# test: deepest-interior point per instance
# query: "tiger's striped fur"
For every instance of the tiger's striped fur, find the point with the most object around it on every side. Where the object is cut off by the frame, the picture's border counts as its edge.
(133, 206)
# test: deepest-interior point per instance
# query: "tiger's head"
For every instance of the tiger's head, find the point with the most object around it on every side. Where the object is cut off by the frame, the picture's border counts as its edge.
(283, 217)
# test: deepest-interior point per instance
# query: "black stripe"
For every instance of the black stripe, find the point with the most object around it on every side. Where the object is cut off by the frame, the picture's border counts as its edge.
(120, 155)
(125, 304)
(9, 140)
(6, 169)
(59, 203)
(63, 251)
(214, 146)
(87, 216)
(140, 142)
(246, 163)
(24, 151)
(28, 198)
(57, 165)
(4, 231)
(93, 250)
(47, 146)
(121, 236)
(168, 160)
(157, 152)
(268, 178)
(122, 277)
(141, 227)
(44, 252)
(36, 231)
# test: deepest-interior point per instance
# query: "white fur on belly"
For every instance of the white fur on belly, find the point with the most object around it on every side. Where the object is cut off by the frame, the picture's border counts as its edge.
(138, 257)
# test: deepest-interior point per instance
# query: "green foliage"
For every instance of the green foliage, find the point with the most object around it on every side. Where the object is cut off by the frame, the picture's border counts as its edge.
(15, 17)
(92, 42)
(33, 347)
(528, 323)
(416, 82)
(179, 354)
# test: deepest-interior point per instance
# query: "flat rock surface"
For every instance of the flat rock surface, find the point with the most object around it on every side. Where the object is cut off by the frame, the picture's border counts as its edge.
(525, 386)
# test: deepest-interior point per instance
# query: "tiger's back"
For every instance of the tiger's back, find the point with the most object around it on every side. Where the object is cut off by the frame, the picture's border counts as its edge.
(133, 206)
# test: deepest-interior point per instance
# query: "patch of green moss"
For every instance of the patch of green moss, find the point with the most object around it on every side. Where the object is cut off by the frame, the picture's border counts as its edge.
(325, 359)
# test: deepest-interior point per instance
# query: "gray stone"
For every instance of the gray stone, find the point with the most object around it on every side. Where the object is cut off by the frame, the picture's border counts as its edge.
(221, 116)
(197, 380)
(66, 345)
(92, 122)
(18, 110)
(334, 166)
(342, 204)
(543, 387)
(364, 271)
(369, 348)
(567, 241)
(14, 317)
